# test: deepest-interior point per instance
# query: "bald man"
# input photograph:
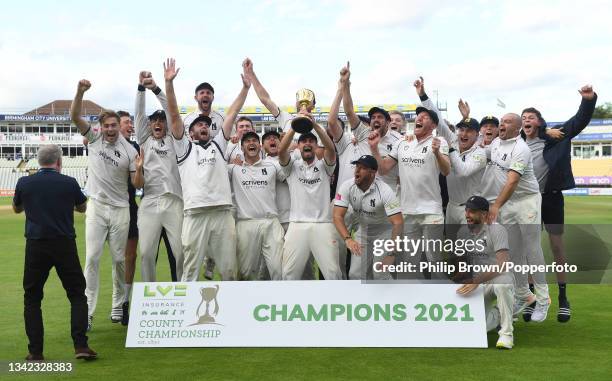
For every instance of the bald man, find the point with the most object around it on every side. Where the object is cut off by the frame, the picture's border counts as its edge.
(510, 185)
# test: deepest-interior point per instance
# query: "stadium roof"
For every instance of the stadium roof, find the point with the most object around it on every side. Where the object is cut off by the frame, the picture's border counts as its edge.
(62, 107)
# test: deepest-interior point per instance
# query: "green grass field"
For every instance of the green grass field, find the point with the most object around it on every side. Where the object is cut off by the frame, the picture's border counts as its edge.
(581, 349)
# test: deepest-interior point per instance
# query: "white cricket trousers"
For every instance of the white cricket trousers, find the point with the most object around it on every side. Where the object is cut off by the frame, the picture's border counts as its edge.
(362, 266)
(102, 222)
(500, 289)
(155, 213)
(522, 218)
(257, 239)
(211, 233)
(422, 228)
(318, 238)
(455, 214)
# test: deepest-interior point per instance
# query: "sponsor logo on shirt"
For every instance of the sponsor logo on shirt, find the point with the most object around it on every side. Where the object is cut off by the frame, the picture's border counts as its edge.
(309, 181)
(159, 152)
(107, 158)
(254, 183)
(411, 161)
(207, 161)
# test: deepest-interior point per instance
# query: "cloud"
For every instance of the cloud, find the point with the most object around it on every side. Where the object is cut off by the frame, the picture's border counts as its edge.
(360, 14)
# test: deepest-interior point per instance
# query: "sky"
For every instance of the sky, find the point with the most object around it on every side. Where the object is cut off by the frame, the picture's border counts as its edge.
(525, 53)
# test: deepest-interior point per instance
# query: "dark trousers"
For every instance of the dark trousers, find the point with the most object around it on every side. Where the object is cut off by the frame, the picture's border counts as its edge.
(171, 259)
(40, 257)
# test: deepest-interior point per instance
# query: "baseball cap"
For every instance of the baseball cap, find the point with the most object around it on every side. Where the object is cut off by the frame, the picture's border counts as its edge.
(247, 135)
(307, 135)
(205, 86)
(270, 133)
(477, 203)
(157, 115)
(379, 110)
(367, 161)
(432, 114)
(364, 119)
(489, 119)
(201, 118)
(469, 123)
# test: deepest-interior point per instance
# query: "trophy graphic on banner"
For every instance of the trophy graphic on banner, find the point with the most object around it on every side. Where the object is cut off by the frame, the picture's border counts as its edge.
(304, 99)
(209, 294)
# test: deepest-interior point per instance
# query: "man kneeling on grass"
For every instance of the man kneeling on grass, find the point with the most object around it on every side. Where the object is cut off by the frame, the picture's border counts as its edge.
(497, 285)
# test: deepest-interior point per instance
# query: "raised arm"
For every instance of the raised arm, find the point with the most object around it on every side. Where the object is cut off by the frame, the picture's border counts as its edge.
(332, 119)
(347, 98)
(442, 159)
(234, 109)
(77, 104)
(386, 164)
(140, 118)
(283, 148)
(443, 129)
(262, 93)
(329, 151)
(176, 123)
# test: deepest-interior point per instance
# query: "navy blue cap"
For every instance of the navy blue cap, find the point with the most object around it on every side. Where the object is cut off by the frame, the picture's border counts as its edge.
(489, 119)
(469, 123)
(432, 114)
(477, 203)
(367, 161)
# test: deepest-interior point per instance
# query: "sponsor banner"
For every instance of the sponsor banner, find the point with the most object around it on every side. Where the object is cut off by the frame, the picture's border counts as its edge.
(600, 191)
(593, 180)
(576, 192)
(588, 192)
(7, 192)
(593, 137)
(42, 118)
(304, 314)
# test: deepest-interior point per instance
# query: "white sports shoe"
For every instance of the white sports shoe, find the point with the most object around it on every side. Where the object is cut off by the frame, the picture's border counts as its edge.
(505, 342)
(540, 312)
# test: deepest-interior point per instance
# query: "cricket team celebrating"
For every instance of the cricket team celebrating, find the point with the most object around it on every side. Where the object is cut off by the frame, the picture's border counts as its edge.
(265, 208)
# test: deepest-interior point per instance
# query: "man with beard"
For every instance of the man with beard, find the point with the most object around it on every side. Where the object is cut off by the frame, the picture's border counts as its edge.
(271, 144)
(509, 183)
(420, 162)
(208, 225)
(490, 248)
(379, 122)
(126, 126)
(161, 207)
(377, 210)
(468, 160)
(204, 96)
(258, 229)
(310, 229)
(553, 170)
(112, 161)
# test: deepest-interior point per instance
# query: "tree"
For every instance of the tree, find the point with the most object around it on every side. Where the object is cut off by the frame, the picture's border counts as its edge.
(603, 111)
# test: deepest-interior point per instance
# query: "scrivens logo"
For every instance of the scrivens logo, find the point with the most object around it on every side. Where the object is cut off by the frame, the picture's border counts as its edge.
(310, 181)
(207, 161)
(254, 183)
(413, 161)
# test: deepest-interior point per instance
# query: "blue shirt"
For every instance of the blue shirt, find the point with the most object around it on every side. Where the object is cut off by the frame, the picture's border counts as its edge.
(48, 198)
